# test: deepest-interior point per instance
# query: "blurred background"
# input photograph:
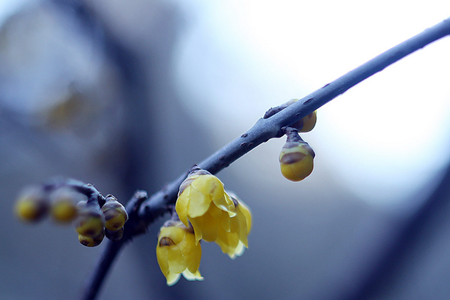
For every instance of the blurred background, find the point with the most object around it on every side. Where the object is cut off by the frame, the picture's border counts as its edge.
(128, 95)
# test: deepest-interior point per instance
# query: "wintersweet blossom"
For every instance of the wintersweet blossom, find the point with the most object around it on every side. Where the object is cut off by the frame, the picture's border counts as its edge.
(178, 252)
(214, 215)
(202, 202)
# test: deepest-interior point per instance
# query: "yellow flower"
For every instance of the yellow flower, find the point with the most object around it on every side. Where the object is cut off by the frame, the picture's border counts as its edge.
(178, 253)
(202, 201)
(234, 241)
(214, 215)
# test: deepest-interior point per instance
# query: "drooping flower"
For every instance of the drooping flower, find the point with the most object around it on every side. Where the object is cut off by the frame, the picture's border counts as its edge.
(178, 252)
(202, 201)
(214, 215)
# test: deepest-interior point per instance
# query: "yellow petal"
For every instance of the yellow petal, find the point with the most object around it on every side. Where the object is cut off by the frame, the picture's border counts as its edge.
(172, 278)
(198, 202)
(176, 234)
(192, 276)
(228, 242)
(233, 240)
(209, 185)
(234, 225)
(225, 221)
(223, 246)
(210, 227)
(238, 251)
(227, 205)
(248, 216)
(177, 263)
(161, 256)
(197, 223)
(222, 204)
(215, 212)
(181, 207)
(192, 252)
(242, 226)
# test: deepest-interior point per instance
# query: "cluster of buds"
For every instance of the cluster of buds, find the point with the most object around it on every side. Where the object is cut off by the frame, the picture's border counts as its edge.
(93, 215)
(94, 222)
(204, 211)
(35, 203)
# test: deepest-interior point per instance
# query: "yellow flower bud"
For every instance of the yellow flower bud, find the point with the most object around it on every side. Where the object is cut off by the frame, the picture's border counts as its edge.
(63, 204)
(296, 160)
(32, 204)
(305, 124)
(89, 241)
(308, 122)
(90, 221)
(115, 213)
(178, 253)
(202, 201)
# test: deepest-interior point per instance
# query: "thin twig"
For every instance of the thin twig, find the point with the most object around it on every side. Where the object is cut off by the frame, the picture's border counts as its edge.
(262, 131)
(112, 249)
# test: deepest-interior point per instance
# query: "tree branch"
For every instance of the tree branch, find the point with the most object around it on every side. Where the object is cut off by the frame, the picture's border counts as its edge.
(265, 129)
(262, 131)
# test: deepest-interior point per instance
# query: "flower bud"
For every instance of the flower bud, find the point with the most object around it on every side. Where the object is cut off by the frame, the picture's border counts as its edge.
(64, 204)
(90, 221)
(307, 123)
(89, 241)
(115, 213)
(296, 157)
(32, 204)
(296, 161)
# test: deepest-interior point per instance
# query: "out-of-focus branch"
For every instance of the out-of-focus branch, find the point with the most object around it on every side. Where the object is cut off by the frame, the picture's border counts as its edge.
(402, 242)
(262, 131)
